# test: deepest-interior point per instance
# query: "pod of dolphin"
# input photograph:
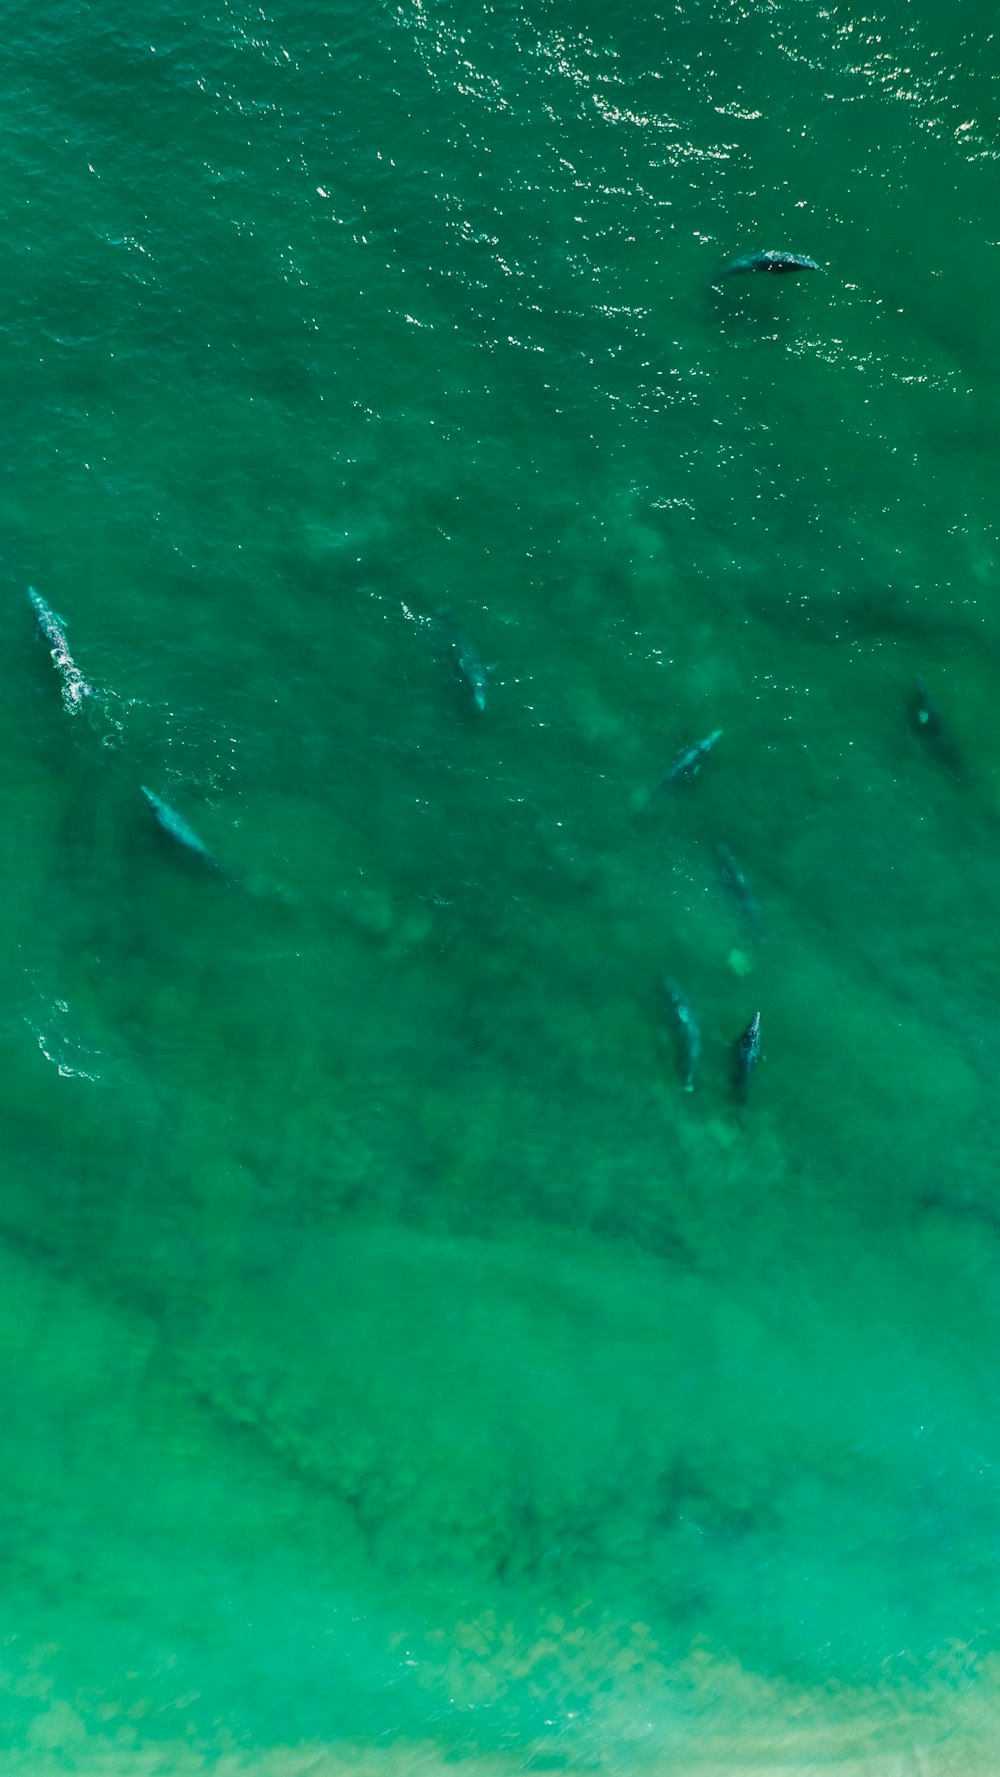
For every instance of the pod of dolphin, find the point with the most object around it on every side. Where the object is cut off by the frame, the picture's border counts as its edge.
(687, 766)
(746, 1052)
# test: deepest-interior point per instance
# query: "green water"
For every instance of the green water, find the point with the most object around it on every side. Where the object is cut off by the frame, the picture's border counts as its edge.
(399, 1367)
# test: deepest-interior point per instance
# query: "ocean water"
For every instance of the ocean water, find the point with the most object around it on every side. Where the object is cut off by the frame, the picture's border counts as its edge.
(400, 1370)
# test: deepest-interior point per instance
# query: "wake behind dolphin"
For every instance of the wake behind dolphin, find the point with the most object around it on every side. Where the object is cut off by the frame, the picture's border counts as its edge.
(75, 686)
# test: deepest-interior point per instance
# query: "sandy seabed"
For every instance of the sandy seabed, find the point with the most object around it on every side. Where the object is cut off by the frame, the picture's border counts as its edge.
(939, 1731)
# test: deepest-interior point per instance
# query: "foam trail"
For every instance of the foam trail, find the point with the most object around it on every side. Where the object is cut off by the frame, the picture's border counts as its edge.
(75, 686)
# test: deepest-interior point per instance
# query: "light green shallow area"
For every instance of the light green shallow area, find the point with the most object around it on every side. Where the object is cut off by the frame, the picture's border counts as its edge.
(400, 1371)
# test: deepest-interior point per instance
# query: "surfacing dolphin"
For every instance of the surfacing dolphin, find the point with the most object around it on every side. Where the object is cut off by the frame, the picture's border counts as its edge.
(176, 827)
(75, 687)
(773, 261)
(746, 1054)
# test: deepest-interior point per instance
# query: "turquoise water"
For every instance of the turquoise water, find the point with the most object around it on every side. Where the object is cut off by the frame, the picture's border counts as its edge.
(400, 1368)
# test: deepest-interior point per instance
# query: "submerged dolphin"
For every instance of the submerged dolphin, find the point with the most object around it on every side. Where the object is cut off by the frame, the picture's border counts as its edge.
(688, 1034)
(468, 664)
(736, 882)
(681, 770)
(176, 827)
(470, 668)
(772, 261)
(928, 722)
(688, 764)
(75, 687)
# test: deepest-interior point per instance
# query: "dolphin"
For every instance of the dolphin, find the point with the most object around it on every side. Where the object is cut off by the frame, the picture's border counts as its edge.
(929, 723)
(75, 687)
(746, 1054)
(772, 261)
(688, 763)
(688, 1034)
(468, 664)
(735, 880)
(176, 827)
(681, 770)
(470, 668)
